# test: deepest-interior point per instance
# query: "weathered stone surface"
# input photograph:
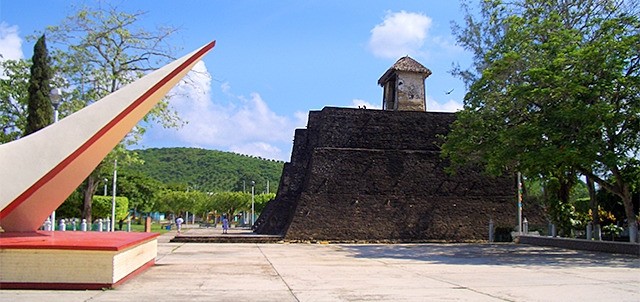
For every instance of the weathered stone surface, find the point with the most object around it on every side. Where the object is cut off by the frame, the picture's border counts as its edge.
(378, 175)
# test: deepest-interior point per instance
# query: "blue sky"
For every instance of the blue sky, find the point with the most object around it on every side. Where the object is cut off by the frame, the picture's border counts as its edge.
(274, 61)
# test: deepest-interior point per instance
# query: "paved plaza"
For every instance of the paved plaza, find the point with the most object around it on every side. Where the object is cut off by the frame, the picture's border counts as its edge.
(367, 272)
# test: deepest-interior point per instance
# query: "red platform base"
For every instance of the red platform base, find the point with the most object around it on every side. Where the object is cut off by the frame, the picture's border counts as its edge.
(73, 260)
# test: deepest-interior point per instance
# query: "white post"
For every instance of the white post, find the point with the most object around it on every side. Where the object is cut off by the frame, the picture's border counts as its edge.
(519, 203)
(253, 185)
(113, 200)
(55, 120)
(55, 96)
(47, 224)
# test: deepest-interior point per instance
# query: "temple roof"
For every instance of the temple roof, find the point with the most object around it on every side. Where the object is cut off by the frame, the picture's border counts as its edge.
(405, 63)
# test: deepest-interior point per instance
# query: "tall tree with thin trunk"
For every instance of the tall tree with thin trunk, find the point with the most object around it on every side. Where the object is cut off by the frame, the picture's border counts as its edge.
(99, 51)
(39, 110)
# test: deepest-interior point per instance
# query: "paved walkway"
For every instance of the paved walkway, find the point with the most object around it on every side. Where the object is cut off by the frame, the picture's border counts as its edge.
(343, 272)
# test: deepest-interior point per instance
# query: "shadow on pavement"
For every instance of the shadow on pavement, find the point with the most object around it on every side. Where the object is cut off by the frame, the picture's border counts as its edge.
(493, 254)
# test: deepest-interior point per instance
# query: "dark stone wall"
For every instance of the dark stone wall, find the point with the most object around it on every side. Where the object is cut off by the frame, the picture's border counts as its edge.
(378, 175)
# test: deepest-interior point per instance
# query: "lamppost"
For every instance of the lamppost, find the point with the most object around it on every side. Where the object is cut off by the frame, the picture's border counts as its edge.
(106, 181)
(253, 218)
(113, 200)
(55, 95)
(56, 98)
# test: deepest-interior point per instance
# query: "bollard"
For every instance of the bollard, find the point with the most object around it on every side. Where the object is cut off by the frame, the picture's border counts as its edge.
(108, 223)
(100, 225)
(491, 231)
(129, 225)
(47, 224)
(525, 226)
(73, 224)
(597, 232)
(62, 227)
(553, 230)
(83, 225)
(589, 230)
(147, 225)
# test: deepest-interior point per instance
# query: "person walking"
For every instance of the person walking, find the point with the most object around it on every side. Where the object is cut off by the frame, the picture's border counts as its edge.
(179, 222)
(225, 225)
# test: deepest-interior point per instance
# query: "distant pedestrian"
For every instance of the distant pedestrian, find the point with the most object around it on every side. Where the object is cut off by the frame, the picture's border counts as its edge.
(225, 225)
(179, 222)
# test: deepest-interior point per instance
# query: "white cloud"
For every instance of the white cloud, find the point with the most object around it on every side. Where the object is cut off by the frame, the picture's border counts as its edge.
(449, 106)
(243, 124)
(225, 87)
(10, 42)
(401, 33)
(360, 103)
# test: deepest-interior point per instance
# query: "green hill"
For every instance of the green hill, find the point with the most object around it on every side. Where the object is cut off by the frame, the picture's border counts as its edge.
(209, 170)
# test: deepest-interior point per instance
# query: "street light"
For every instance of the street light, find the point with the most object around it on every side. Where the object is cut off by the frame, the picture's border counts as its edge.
(253, 217)
(55, 95)
(56, 98)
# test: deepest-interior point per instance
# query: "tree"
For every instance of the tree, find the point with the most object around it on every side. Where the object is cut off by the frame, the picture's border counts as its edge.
(14, 83)
(103, 206)
(553, 91)
(39, 112)
(139, 188)
(228, 202)
(261, 201)
(98, 51)
(180, 201)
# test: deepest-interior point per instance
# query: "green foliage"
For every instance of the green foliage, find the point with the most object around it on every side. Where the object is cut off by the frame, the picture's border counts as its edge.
(554, 90)
(39, 110)
(261, 201)
(14, 83)
(71, 207)
(139, 188)
(572, 213)
(179, 201)
(102, 207)
(209, 170)
(228, 202)
(612, 230)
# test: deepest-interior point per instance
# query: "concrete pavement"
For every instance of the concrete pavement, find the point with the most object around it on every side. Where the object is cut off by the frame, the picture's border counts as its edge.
(368, 272)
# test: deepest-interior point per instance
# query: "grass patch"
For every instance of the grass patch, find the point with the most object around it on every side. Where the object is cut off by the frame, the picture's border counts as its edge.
(155, 228)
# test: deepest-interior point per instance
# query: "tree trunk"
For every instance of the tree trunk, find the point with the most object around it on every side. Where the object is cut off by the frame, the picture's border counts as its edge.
(564, 191)
(87, 193)
(632, 221)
